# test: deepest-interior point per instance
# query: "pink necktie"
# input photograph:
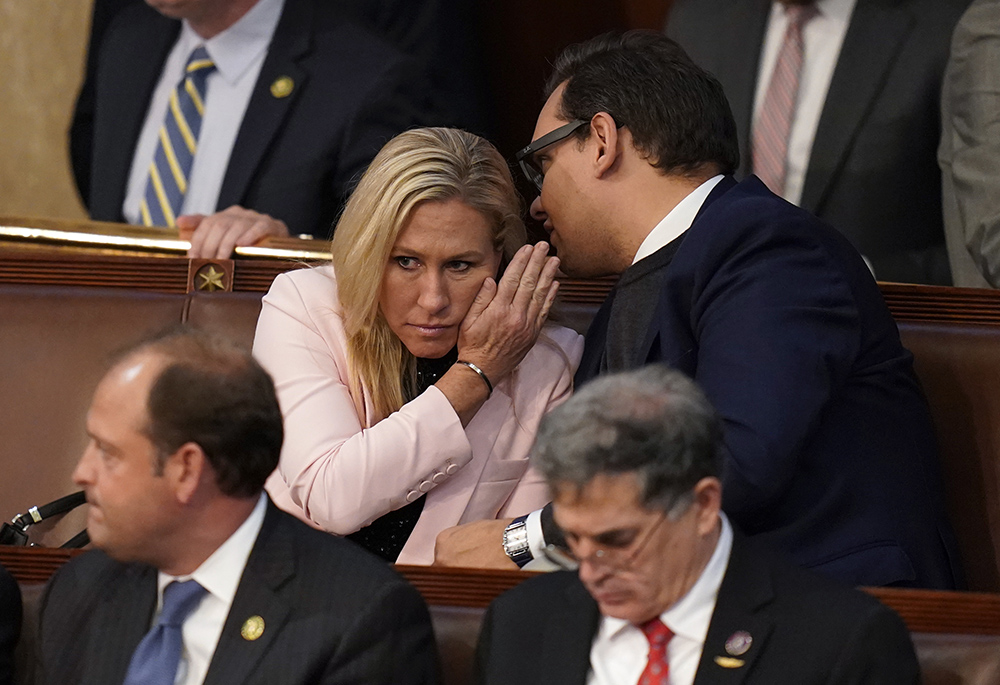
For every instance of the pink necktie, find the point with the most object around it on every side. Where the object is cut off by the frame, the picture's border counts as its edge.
(657, 670)
(774, 123)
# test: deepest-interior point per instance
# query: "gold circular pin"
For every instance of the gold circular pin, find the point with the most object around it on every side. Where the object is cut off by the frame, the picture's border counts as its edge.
(282, 87)
(253, 628)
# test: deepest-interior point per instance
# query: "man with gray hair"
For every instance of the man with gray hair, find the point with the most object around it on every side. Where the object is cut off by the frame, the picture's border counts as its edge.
(666, 591)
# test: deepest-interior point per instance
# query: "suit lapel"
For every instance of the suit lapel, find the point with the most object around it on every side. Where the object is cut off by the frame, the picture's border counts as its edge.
(266, 111)
(131, 83)
(124, 617)
(742, 29)
(740, 608)
(876, 33)
(270, 565)
(565, 652)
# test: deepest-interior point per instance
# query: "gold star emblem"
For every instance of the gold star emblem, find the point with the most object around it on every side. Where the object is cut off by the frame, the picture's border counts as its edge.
(253, 628)
(282, 87)
(210, 279)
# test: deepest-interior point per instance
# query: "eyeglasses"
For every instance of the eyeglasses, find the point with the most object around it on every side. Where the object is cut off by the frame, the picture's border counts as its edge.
(613, 558)
(526, 157)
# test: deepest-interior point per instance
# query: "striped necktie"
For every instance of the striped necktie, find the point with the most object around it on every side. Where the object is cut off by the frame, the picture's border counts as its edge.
(177, 144)
(774, 122)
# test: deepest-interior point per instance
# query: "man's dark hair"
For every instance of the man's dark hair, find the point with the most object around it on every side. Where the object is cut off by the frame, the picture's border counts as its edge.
(676, 111)
(213, 393)
(652, 422)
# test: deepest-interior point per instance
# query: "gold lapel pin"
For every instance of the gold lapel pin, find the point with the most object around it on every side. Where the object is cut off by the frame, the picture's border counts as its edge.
(738, 643)
(253, 628)
(729, 662)
(282, 87)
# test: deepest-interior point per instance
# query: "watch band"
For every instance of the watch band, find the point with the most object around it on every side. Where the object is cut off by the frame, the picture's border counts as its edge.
(515, 541)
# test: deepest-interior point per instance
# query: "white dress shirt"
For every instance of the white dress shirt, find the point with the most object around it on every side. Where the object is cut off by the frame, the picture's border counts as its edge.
(238, 53)
(220, 576)
(822, 37)
(678, 220)
(620, 650)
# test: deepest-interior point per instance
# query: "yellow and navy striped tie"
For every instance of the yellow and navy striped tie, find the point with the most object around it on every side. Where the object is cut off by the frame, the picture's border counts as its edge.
(178, 141)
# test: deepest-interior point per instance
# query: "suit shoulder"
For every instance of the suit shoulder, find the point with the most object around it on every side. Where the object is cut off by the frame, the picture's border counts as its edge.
(535, 595)
(309, 287)
(824, 599)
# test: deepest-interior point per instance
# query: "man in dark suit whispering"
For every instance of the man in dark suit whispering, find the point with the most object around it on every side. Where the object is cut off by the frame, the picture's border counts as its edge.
(666, 591)
(831, 455)
(198, 577)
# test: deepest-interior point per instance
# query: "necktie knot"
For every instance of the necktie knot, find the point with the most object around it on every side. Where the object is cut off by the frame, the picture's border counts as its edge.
(657, 633)
(179, 600)
(199, 62)
(799, 15)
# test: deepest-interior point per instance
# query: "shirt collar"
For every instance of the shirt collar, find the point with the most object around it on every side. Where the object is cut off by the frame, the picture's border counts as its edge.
(691, 614)
(678, 220)
(236, 48)
(220, 574)
(839, 10)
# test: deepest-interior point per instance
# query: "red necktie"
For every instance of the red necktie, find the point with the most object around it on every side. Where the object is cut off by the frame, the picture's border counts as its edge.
(657, 670)
(774, 122)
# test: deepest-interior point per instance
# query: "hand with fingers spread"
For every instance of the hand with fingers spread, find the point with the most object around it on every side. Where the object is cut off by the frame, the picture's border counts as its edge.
(216, 236)
(506, 317)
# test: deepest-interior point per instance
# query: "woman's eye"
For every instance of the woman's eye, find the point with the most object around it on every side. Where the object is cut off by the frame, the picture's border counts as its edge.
(406, 262)
(459, 266)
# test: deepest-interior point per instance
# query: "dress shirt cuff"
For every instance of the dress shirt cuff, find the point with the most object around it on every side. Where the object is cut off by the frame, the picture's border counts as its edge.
(536, 543)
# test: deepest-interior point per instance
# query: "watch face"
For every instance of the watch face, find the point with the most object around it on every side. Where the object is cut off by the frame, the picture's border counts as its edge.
(515, 542)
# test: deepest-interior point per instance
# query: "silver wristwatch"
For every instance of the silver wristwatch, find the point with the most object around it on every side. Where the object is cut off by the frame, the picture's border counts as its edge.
(515, 541)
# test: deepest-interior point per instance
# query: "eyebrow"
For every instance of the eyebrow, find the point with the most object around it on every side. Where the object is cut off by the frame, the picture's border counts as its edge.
(462, 256)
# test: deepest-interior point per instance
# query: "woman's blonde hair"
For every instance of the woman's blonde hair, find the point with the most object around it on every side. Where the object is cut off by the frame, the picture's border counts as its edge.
(422, 165)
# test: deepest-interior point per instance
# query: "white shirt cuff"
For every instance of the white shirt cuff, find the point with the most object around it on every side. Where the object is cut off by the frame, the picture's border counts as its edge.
(536, 543)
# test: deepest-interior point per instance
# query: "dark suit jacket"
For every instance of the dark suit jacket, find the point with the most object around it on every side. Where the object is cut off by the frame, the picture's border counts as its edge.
(832, 456)
(332, 614)
(294, 157)
(10, 624)
(805, 631)
(873, 171)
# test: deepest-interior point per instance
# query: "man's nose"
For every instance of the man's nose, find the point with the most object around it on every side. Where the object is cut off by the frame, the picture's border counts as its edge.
(84, 471)
(433, 296)
(537, 211)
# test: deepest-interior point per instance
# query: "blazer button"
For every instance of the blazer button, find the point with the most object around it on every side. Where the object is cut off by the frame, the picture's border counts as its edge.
(412, 496)
(439, 478)
(426, 486)
(452, 468)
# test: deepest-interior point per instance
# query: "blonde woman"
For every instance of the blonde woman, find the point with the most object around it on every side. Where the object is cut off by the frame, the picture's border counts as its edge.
(412, 373)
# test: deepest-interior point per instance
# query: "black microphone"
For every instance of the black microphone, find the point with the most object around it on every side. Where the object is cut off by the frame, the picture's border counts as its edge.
(16, 532)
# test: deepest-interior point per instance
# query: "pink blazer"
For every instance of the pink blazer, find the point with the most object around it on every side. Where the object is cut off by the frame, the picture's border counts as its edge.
(340, 474)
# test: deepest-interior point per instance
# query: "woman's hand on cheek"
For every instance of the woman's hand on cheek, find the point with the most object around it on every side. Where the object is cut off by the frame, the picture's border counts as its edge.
(505, 319)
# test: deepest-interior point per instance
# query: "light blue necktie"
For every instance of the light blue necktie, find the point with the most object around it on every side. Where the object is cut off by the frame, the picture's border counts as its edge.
(156, 658)
(177, 142)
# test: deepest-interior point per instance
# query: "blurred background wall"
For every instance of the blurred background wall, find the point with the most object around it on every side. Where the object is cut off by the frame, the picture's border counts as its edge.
(42, 52)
